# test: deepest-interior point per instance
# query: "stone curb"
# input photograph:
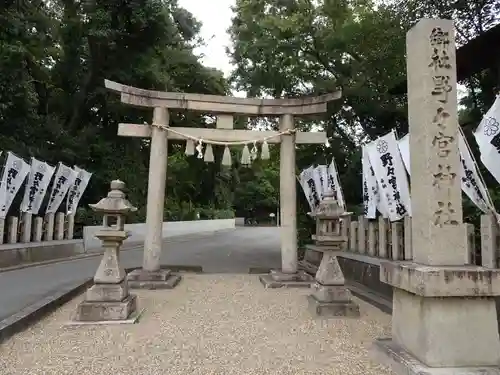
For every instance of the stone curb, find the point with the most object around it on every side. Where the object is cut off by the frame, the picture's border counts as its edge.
(31, 314)
(98, 253)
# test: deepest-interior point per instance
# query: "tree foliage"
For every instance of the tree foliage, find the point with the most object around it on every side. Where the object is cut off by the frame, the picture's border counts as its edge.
(284, 48)
(54, 57)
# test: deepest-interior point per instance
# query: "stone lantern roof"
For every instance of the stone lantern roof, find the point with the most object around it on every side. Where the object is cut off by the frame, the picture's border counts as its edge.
(115, 203)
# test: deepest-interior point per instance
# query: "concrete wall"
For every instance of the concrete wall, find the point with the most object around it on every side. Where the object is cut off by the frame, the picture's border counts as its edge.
(170, 229)
(21, 253)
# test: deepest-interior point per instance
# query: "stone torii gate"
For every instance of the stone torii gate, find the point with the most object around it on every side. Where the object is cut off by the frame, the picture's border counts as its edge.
(151, 276)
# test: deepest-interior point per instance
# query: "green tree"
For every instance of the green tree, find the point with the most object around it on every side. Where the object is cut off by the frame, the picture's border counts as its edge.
(54, 57)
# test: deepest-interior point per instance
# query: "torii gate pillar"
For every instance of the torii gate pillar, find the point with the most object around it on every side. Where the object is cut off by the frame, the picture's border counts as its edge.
(288, 203)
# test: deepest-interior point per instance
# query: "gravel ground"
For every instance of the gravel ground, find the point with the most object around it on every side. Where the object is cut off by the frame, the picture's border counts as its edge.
(209, 324)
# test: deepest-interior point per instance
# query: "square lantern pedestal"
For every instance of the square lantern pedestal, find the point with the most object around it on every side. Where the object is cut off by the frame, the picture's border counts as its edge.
(107, 310)
(330, 297)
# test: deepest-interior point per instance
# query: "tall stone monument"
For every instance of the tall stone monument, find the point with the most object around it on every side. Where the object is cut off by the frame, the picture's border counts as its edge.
(444, 317)
(109, 298)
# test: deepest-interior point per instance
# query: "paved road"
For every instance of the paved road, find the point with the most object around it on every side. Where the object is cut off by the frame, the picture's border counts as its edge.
(228, 251)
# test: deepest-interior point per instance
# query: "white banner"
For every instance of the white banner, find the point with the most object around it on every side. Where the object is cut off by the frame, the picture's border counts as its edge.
(404, 150)
(372, 199)
(389, 170)
(76, 191)
(64, 178)
(323, 172)
(319, 176)
(38, 182)
(471, 183)
(306, 179)
(14, 174)
(370, 189)
(487, 137)
(333, 183)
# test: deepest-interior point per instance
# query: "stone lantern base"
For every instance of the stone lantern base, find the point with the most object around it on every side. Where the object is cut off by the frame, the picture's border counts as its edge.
(329, 295)
(99, 311)
(104, 302)
(328, 300)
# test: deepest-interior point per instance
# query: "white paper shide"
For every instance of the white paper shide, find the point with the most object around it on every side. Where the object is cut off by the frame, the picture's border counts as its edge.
(38, 182)
(14, 174)
(63, 180)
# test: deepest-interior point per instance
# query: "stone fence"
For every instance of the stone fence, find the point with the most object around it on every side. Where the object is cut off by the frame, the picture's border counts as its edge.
(29, 228)
(372, 241)
(29, 238)
(382, 239)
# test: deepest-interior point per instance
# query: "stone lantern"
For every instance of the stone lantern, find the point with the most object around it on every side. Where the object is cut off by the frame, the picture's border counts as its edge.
(328, 217)
(330, 297)
(109, 299)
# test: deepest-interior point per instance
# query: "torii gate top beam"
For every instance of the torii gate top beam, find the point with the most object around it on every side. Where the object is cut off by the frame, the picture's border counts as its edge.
(222, 104)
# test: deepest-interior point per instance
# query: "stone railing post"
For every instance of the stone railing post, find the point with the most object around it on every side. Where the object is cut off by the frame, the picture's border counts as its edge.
(353, 237)
(70, 229)
(26, 232)
(397, 241)
(383, 226)
(59, 226)
(345, 231)
(372, 238)
(362, 226)
(13, 226)
(471, 244)
(38, 230)
(2, 230)
(49, 226)
(489, 241)
(408, 253)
